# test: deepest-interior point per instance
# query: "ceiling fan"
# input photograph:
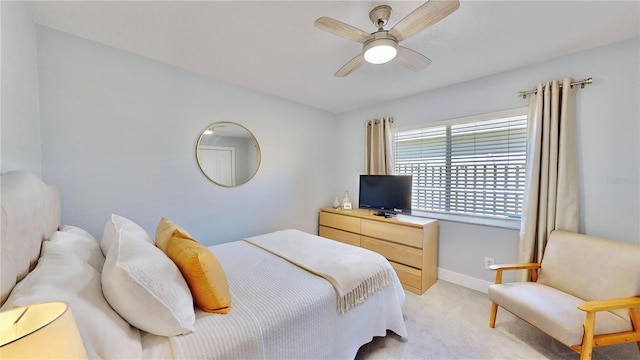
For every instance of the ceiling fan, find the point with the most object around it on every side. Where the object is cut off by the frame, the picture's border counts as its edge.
(382, 46)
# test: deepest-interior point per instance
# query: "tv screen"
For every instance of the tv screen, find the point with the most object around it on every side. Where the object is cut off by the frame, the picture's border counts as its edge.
(389, 194)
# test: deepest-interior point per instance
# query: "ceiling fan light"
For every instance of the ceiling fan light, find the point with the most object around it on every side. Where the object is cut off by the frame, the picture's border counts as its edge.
(380, 51)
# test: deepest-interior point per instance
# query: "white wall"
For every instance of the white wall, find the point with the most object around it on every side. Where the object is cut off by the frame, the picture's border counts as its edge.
(608, 135)
(120, 133)
(20, 119)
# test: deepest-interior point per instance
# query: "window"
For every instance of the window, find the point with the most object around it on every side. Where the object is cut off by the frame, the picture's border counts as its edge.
(470, 169)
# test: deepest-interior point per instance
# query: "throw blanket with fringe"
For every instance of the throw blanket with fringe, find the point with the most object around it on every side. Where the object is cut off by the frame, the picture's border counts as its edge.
(354, 272)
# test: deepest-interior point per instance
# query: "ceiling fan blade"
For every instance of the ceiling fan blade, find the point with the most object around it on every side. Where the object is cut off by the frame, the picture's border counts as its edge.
(341, 29)
(351, 66)
(411, 59)
(424, 16)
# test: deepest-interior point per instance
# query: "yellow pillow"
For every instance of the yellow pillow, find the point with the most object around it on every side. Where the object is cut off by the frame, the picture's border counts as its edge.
(165, 231)
(202, 271)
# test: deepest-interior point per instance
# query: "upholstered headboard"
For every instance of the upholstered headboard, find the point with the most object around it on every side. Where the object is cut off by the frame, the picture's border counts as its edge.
(30, 214)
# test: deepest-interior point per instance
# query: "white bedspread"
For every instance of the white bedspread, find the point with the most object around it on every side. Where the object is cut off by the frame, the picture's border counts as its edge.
(280, 311)
(354, 272)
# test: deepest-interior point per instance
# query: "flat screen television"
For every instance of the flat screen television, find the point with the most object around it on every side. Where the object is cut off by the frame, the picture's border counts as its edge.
(387, 194)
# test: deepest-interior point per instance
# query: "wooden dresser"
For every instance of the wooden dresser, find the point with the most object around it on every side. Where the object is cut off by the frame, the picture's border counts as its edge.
(409, 243)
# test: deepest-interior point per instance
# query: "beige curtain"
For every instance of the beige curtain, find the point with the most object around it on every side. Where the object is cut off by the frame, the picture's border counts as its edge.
(379, 147)
(551, 189)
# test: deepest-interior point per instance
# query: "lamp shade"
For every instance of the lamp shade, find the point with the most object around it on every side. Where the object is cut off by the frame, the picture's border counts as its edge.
(40, 331)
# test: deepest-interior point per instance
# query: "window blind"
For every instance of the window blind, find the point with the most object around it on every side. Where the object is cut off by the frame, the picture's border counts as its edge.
(472, 168)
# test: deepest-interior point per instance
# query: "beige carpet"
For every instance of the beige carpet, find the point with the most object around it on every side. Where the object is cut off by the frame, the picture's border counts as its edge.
(451, 322)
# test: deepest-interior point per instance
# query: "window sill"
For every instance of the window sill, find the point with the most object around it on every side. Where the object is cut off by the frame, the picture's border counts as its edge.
(500, 223)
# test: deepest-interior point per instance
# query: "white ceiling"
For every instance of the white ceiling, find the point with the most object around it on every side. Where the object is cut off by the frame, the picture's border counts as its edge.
(273, 47)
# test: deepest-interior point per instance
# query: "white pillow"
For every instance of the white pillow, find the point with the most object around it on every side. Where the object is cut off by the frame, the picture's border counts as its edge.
(63, 276)
(116, 223)
(146, 288)
(78, 231)
(87, 248)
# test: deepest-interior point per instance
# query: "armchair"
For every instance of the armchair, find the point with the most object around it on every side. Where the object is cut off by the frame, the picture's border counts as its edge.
(585, 293)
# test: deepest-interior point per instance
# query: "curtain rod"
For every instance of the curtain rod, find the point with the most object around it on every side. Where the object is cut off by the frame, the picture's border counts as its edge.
(369, 122)
(582, 83)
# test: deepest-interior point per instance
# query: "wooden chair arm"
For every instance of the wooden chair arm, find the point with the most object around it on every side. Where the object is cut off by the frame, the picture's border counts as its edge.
(525, 266)
(590, 339)
(610, 304)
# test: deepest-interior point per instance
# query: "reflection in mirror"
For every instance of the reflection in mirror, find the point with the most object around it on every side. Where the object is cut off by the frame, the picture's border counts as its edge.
(228, 154)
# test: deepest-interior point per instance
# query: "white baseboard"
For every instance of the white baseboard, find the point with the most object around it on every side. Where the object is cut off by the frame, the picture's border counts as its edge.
(464, 280)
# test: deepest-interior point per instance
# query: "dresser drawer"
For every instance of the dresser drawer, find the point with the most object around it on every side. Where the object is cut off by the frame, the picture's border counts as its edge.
(397, 233)
(342, 222)
(339, 235)
(410, 244)
(409, 277)
(402, 254)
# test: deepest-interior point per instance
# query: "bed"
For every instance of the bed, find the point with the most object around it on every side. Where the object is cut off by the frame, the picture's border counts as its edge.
(279, 311)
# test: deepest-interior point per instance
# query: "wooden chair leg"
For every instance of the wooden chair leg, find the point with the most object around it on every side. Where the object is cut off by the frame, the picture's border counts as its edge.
(494, 313)
(587, 338)
(635, 322)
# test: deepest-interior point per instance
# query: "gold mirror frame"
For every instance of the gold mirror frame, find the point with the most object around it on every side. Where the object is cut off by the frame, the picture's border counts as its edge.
(228, 154)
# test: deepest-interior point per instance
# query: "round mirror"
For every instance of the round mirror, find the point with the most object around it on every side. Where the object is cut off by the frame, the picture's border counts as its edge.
(228, 154)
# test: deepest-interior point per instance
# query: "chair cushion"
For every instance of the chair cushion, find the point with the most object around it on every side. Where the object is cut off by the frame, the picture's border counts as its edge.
(591, 268)
(552, 311)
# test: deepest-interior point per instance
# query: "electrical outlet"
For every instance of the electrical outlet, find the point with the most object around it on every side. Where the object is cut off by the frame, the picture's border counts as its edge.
(488, 261)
